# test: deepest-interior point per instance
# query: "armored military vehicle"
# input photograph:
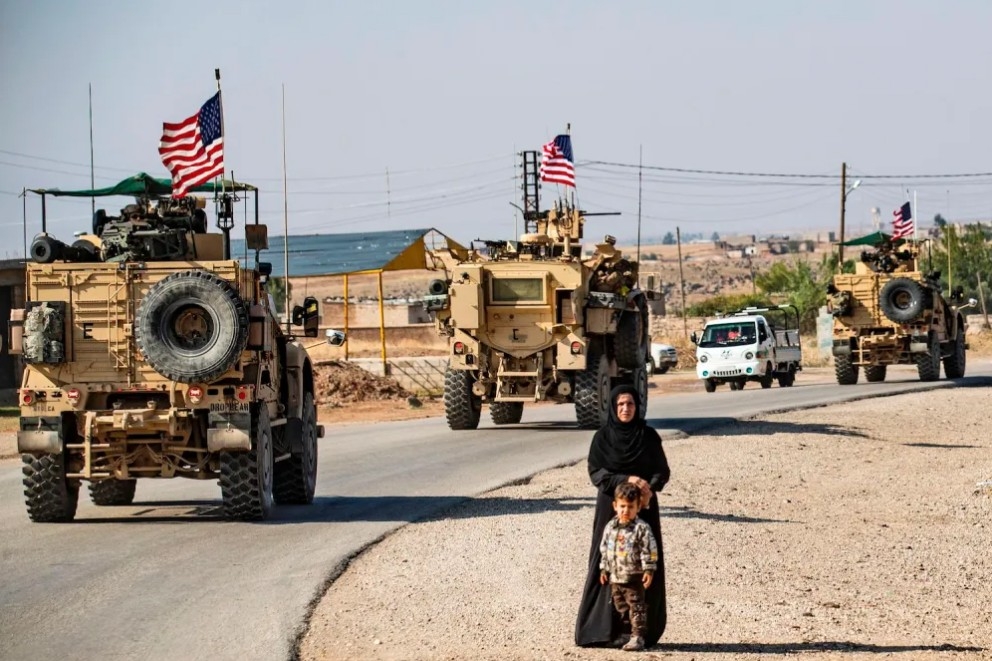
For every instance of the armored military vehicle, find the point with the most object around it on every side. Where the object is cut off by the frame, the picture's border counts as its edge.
(150, 353)
(533, 320)
(891, 312)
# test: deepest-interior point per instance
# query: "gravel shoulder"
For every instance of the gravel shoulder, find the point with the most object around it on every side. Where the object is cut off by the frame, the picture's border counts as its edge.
(836, 532)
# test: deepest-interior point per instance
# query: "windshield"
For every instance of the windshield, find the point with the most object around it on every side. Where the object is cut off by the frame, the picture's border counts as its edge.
(729, 334)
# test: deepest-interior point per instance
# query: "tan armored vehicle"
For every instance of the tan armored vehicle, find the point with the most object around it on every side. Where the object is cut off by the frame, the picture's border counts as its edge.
(533, 320)
(150, 353)
(891, 312)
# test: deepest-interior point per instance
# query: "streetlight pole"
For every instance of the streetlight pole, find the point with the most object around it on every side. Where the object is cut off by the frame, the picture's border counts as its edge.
(844, 192)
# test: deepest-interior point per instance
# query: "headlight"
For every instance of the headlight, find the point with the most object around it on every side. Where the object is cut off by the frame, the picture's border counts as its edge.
(749, 355)
(703, 358)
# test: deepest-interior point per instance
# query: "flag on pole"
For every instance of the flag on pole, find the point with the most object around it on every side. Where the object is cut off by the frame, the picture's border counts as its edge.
(557, 164)
(902, 222)
(193, 149)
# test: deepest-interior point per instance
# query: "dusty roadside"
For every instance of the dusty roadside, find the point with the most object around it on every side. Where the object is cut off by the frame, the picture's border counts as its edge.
(861, 528)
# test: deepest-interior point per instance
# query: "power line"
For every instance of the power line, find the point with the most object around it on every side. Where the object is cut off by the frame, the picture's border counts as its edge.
(786, 175)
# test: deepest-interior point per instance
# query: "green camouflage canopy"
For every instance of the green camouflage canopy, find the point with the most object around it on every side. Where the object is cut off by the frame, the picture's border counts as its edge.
(143, 184)
(874, 239)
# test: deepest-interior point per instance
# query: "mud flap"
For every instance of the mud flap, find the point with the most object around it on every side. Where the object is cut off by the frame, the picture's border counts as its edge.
(229, 431)
(40, 435)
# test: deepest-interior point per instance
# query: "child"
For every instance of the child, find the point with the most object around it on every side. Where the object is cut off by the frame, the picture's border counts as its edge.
(629, 559)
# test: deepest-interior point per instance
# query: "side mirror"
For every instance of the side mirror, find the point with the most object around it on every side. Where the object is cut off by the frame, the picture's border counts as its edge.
(335, 337)
(694, 338)
(308, 316)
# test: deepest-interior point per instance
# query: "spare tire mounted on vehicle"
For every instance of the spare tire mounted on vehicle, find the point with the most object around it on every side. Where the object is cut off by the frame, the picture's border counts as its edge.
(903, 300)
(191, 326)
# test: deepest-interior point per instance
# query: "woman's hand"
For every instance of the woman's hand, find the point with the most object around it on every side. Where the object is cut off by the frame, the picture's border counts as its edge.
(645, 488)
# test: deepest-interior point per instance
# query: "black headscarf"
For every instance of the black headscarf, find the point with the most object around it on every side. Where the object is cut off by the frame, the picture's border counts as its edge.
(620, 444)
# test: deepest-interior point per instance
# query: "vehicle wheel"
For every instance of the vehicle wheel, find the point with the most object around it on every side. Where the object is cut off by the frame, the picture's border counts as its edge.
(640, 380)
(845, 371)
(112, 492)
(955, 363)
(786, 379)
(462, 408)
(506, 413)
(191, 326)
(875, 373)
(902, 300)
(294, 479)
(928, 364)
(709, 385)
(651, 367)
(662, 369)
(49, 496)
(767, 378)
(592, 392)
(734, 385)
(627, 346)
(246, 476)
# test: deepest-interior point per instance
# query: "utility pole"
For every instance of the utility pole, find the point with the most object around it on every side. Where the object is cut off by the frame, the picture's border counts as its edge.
(843, 204)
(678, 240)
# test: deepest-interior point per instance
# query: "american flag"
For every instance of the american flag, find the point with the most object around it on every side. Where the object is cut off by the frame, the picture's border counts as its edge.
(902, 222)
(193, 149)
(557, 164)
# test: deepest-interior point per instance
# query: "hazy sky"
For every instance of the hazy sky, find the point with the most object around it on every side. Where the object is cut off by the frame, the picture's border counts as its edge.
(443, 95)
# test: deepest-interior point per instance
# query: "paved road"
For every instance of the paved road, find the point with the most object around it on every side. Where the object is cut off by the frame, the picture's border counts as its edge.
(167, 579)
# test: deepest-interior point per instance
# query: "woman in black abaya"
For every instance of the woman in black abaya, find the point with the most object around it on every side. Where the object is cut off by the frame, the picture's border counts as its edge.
(623, 451)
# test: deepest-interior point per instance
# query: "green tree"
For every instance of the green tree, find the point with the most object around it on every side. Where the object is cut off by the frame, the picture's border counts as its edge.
(725, 303)
(277, 287)
(939, 221)
(800, 284)
(715, 237)
(669, 240)
(963, 258)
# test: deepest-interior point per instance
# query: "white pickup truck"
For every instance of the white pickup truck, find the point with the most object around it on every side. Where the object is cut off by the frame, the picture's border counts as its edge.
(752, 344)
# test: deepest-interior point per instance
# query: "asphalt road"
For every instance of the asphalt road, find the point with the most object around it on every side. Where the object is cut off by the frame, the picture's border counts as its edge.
(166, 578)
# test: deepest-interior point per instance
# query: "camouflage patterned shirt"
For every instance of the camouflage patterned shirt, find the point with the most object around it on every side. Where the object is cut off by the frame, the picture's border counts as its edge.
(627, 550)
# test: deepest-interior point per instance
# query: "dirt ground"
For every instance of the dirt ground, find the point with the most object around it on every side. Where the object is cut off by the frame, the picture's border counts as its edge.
(860, 530)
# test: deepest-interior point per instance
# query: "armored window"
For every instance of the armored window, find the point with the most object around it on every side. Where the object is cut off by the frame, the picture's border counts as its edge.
(517, 290)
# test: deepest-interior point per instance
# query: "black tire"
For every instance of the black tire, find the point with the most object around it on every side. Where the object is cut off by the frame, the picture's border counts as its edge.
(108, 493)
(767, 379)
(462, 408)
(246, 477)
(627, 347)
(639, 379)
(592, 392)
(875, 373)
(786, 379)
(506, 413)
(928, 364)
(734, 385)
(191, 326)
(845, 371)
(661, 370)
(709, 385)
(294, 479)
(954, 364)
(49, 496)
(902, 300)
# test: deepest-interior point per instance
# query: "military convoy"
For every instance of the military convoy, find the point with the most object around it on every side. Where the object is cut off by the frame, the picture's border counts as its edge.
(891, 312)
(533, 320)
(150, 353)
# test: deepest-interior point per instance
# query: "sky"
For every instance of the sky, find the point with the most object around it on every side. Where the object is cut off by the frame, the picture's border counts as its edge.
(402, 114)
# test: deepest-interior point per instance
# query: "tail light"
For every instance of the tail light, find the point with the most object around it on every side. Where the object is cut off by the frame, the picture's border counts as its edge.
(576, 347)
(73, 395)
(459, 348)
(242, 394)
(195, 394)
(27, 397)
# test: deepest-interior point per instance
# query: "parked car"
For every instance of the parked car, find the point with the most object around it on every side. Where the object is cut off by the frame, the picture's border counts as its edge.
(662, 358)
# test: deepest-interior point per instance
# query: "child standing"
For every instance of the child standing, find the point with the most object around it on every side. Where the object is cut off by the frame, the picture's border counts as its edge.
(629, 559)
